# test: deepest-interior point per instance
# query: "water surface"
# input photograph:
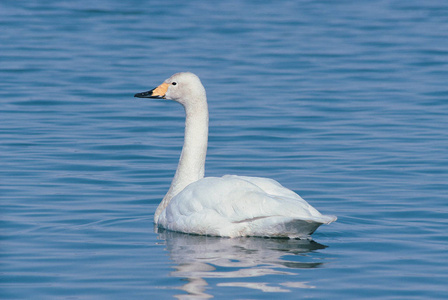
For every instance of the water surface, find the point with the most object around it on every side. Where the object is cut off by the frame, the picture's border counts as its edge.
(345, 103)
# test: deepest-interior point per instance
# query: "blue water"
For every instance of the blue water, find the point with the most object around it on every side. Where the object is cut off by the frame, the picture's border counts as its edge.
(345, 102)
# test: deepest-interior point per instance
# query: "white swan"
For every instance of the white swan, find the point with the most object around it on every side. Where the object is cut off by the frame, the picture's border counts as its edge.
(229, 206)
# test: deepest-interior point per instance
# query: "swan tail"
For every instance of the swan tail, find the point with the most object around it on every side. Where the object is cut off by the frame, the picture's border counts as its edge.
(286, 227)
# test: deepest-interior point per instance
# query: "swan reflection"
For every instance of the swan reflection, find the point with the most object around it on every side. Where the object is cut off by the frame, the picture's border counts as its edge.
(199, 258)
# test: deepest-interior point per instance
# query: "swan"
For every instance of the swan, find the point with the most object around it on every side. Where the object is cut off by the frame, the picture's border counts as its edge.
(228, 206)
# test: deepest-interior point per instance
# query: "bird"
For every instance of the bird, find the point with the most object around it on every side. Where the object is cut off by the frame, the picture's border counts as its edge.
(228, 206)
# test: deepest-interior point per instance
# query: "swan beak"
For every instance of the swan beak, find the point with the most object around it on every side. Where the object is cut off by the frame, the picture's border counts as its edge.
(157, 93)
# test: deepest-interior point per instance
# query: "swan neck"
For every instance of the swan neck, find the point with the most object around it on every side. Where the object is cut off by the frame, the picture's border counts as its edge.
(191, 165)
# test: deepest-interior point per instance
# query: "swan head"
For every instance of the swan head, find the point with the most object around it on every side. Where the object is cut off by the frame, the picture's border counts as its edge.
(184, 88)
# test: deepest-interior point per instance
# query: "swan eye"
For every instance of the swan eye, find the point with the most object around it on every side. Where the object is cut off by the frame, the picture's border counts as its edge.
(174, 83)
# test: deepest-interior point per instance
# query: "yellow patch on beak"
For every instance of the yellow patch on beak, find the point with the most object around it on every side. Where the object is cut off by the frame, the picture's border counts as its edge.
(160, 90)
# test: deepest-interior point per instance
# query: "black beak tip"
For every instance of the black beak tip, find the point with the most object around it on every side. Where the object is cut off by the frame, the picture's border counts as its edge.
(143, 95)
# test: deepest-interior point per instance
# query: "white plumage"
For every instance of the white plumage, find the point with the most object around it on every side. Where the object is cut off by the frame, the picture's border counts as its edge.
(227, 206)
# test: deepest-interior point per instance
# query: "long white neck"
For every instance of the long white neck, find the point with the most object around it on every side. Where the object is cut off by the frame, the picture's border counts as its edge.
(191, 165)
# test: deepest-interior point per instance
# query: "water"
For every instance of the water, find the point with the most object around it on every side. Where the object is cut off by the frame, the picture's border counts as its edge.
(344, 102)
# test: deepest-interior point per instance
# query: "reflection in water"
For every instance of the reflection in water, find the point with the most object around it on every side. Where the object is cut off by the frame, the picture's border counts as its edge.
(202, 257)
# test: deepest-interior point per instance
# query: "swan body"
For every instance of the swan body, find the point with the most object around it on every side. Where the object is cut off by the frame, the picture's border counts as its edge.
(231, 205)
